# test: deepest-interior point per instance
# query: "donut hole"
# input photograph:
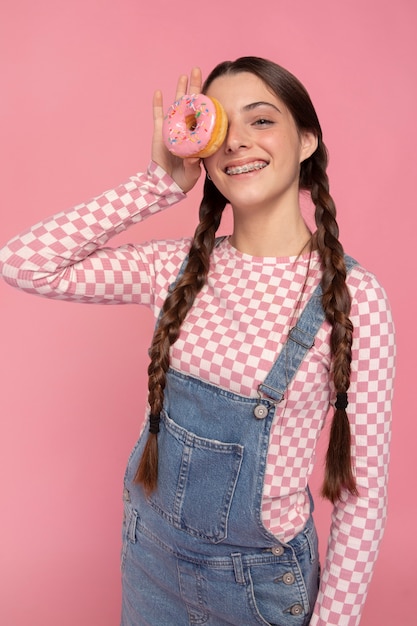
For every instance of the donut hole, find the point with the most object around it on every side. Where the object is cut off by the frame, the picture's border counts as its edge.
(191, 122)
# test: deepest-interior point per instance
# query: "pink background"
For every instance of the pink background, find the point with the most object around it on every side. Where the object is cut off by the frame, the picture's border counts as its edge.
(76, 85)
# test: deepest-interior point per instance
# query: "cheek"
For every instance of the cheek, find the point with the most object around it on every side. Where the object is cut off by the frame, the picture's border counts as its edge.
(216, 175)
(212, 167)
(210, 164)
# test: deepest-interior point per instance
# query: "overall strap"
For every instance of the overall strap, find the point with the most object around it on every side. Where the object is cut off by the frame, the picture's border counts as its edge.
(299, 341)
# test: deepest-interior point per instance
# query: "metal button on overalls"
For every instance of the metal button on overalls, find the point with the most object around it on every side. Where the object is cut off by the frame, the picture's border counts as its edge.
(260, 411)
(288, 578)
(297, 609)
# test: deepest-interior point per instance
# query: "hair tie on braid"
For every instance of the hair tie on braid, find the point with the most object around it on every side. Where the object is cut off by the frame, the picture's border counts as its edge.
(341, 400)
(154, 423)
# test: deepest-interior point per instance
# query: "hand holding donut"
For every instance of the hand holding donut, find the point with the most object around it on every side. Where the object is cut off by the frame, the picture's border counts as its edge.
(185, 171)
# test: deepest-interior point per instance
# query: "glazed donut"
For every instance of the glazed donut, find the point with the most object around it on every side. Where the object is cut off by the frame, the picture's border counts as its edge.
(194, 126)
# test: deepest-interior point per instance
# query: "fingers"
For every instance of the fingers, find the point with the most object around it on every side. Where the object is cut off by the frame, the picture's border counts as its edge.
(195, 80)
(181, 86)
(194, 84)
(158, 106)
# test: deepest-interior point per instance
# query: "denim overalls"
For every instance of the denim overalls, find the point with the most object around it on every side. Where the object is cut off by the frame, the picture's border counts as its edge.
(196, 552)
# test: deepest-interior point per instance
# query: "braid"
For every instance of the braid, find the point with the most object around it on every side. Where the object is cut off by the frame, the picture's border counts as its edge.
(174, 311)
(336, 302)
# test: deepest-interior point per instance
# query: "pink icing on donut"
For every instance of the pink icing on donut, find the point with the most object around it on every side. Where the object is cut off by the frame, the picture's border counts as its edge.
(188, 125)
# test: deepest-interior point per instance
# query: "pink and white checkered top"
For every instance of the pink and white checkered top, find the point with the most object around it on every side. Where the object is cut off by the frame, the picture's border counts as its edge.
(231, 337)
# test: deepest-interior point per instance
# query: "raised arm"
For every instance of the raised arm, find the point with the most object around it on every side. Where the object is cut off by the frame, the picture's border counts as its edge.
(65, 257)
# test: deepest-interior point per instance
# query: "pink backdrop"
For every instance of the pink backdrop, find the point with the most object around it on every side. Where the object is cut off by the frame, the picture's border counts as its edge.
(76, 85)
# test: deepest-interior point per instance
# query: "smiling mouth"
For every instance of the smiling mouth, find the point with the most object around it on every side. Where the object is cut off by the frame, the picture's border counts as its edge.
(248, 167)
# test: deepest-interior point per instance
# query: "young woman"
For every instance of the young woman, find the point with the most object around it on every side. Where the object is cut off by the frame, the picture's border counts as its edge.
(257, 335)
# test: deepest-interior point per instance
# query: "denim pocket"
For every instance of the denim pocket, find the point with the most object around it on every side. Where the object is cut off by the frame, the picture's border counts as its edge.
(275, 602)
(284, 593)
(196, 481)
(280, 594)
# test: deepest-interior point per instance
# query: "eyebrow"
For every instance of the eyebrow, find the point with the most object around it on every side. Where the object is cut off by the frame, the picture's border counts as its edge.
(254, 105)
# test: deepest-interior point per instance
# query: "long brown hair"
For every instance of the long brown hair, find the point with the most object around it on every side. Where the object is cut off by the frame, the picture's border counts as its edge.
(336, 298)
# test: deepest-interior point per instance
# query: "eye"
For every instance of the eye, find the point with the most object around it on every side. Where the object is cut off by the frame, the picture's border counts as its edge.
(263, 121)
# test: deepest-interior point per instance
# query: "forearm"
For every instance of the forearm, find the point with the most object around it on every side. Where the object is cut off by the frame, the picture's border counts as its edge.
(64, 254)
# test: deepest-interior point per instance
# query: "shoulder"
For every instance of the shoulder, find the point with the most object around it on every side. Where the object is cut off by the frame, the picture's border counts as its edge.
(165, 256)
(166, 249)
(370, 302)
(363, 283)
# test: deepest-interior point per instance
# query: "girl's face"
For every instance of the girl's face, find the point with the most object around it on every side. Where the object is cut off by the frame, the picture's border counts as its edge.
(258, 164)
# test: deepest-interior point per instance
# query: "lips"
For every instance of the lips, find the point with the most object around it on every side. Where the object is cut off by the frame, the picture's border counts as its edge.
(246, 167)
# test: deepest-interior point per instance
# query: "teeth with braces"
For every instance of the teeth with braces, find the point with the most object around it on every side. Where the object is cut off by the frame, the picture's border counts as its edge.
(249, 167)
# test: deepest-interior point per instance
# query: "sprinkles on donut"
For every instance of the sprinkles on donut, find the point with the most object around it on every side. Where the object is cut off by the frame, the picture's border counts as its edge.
(194, 126)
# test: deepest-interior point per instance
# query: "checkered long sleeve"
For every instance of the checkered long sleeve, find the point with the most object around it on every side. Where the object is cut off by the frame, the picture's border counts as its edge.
(231, 336)
(358, 524)
(64, 257)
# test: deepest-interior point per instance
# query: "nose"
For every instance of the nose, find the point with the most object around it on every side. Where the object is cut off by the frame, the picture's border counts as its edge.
(236, 138)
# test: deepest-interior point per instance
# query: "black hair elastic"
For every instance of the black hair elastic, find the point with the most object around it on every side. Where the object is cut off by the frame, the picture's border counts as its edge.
(154, 424)
(341, 400)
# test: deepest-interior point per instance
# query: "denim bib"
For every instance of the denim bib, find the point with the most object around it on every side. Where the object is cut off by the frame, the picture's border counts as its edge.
(213, 447)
